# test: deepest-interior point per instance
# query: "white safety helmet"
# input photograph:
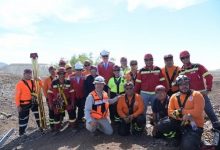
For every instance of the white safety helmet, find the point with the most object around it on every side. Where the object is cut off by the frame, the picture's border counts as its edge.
(78, 66)
(104, 53)
(181, 79)
(99, 79)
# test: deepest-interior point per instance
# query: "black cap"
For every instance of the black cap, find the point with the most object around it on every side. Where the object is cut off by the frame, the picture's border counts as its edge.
(27, 71)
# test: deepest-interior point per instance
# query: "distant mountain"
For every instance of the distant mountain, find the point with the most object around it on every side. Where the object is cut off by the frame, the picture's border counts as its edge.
(18, 69)
(2, 64)
(217, 70)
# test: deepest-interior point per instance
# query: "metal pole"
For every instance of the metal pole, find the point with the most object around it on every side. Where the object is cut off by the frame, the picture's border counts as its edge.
(6, 136)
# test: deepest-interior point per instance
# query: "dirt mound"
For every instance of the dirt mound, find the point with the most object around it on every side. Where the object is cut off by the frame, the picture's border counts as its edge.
(17, 69)
(81, 139)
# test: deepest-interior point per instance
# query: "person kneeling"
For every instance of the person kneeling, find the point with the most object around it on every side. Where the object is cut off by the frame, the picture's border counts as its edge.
(97, 108)
(130, 108)
(186, 110)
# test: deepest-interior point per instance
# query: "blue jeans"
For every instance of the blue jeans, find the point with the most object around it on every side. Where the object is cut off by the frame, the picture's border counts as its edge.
(209, 109)
(148, 100)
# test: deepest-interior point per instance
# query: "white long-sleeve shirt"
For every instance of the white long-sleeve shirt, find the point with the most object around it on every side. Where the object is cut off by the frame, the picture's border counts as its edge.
(90, 102)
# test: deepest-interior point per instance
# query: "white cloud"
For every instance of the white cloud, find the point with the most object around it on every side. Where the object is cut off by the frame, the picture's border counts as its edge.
(13, 41)
(168, 4)
(25, 14)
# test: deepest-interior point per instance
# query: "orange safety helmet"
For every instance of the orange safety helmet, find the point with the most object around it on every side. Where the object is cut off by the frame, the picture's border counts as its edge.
(184, 54)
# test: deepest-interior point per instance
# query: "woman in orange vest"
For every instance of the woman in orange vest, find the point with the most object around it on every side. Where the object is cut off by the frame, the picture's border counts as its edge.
(97, 109)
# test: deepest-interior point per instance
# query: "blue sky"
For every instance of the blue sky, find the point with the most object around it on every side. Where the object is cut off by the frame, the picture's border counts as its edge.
(131, 28)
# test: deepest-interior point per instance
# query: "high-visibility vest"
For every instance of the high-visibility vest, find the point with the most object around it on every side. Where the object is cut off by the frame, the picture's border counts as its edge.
(100, 107)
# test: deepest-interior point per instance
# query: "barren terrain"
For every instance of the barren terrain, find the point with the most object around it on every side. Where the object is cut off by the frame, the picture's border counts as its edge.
(82, 139)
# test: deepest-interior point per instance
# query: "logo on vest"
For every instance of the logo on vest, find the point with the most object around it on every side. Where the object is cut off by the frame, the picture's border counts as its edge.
(191, 98)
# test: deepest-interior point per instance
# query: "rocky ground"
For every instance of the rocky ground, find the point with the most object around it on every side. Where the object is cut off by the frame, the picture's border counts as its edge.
(81, 139)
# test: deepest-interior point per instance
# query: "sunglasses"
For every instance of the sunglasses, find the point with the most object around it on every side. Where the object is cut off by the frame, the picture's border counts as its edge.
(133, 64)
(78, 69)
(186, 57)
(148, 59)
(116, 70)
(61, 73)
(87, 65)
(105, 56)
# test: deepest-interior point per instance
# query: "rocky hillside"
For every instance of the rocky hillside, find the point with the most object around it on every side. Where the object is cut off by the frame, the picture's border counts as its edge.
(17, 69)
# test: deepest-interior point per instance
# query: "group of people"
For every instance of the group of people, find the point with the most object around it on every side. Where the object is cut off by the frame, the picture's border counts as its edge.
(110, 97)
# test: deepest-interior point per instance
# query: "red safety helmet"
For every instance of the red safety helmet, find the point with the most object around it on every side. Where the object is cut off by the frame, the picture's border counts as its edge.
(93, 68)
(116, 68)
(61, 70)
(148, 56)
(160, 88)
(184, 54)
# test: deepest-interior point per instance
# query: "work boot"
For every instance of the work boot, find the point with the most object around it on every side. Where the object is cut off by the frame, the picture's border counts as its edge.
(73, 127)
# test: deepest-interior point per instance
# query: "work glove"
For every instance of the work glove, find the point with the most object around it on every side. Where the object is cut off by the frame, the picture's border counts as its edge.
(177, 114)
(126, 119)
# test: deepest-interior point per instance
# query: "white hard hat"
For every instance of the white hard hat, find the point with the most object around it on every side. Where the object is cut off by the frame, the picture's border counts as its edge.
(181, 79)
(99, 79)
(104, 53)
(78, 66)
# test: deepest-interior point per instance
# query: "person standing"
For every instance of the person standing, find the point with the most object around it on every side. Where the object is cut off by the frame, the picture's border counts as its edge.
(77, 82)
(197, 74)
(132, 75)
(88, 84)
(170, 72)
(116, 87)
(124, 66)
(26, 100)
(46, 87)
(87, 68)
(105, 68)
(69, 71)
(61, 98)
(147, 79)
